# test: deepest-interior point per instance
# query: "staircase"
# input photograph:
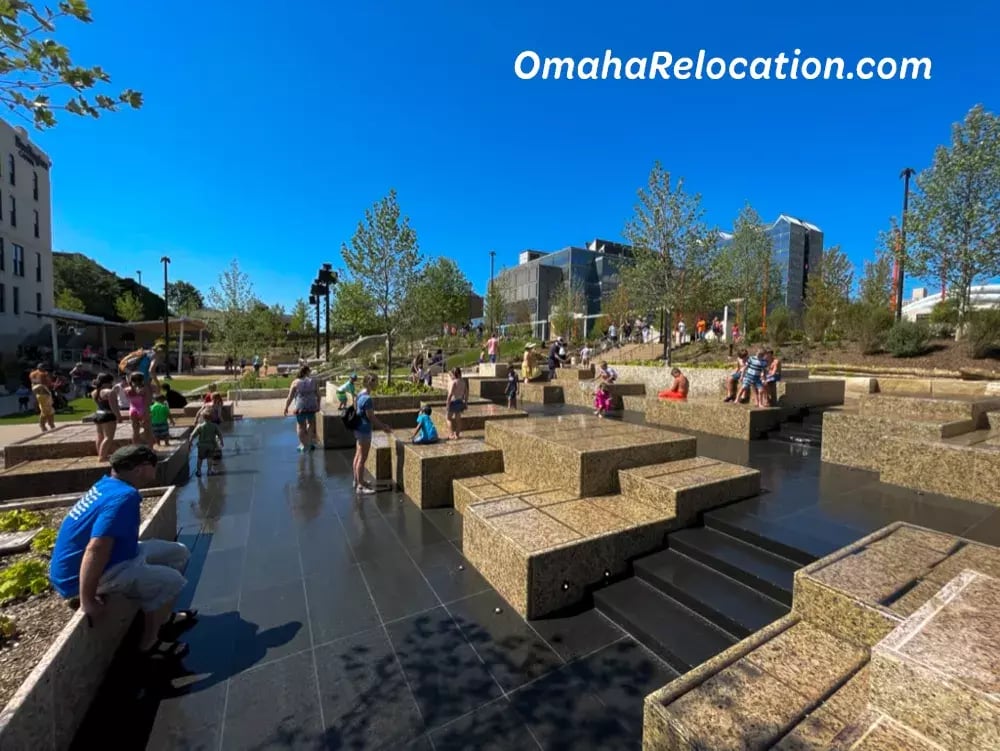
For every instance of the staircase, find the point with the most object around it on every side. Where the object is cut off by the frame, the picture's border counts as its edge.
(805, 430)
(714, 584)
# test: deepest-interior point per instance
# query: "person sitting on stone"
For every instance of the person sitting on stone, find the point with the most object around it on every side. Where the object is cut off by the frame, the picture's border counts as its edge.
(678, 390)
(529, 365)
(606, 374)
(98, 553)
(771, 378)
(733, 381)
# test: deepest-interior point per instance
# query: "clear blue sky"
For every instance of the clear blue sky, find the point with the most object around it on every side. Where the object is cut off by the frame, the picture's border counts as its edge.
(267, 131)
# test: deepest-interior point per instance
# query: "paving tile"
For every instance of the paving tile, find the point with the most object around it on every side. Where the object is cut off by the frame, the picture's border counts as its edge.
(397, 586)
(339, 605)
(447, 677)
(573, 635)
(493, 727)
(272, 564)
(221, 575)
(274, 624)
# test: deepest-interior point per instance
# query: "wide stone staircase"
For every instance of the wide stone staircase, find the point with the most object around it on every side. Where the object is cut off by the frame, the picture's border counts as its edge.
(803, 430)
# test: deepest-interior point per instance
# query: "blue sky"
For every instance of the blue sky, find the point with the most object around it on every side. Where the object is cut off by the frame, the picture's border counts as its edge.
(267, 132)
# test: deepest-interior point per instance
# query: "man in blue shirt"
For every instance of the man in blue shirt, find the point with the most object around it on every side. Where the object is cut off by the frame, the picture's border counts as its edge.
(98, 553)
(425, 432)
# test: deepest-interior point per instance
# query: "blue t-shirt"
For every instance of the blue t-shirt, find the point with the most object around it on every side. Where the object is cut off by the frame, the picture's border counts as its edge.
(363, 405)
(109, 509)
(755, 367)
(427, 430)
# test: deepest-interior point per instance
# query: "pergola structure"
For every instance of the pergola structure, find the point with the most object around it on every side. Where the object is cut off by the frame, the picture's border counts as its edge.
(176, 327)
(69, 316)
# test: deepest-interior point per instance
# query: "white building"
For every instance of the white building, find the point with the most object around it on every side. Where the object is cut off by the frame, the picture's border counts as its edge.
(26, 281)
(921, 304)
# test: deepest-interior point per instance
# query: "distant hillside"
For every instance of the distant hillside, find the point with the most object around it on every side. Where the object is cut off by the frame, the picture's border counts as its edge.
(98, 288)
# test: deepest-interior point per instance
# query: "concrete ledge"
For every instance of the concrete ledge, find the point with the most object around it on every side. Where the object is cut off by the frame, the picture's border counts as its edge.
(331, 432)
(71, 475)
(715, 417)
(379, 462)
(476, 416)
(489, 388)
(581, 453)
(250, 395)
(425, 473)
(492, 370)
(191, 410)
(966, 472)
(70, 441)
(796, 394)
(575, 374)
(50, 705)
(540, 392)
(928, 408)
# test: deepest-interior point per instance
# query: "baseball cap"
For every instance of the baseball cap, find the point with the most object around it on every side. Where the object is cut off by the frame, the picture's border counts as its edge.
(130, 457)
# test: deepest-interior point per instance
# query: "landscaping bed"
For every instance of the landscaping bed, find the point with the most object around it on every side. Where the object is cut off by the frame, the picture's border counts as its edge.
(37, 617)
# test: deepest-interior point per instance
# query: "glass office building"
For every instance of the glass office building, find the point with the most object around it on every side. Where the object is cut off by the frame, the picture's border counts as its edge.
(529, 286)
(798, 246)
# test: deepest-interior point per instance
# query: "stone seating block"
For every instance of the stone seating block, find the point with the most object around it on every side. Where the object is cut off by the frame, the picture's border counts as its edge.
(393, 402)
(993, 418)
(77, 474)
(68, 441)
(862, 592)
(379, 462)
(476, 416)
(800, 393)
(714, 417)
(191, 410)
(540, 392)
(331, 432)
(939, 672)
(545, 558)
(493, 370)
(398, 418)
(581, 453)
(489, 388)
(874, 731)
(689, 486)
(575, 374)
(968, 472)
(425, 473)
(582, 393)
(942, 409)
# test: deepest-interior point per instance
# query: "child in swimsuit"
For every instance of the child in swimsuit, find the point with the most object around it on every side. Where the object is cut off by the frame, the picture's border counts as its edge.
(138, 394)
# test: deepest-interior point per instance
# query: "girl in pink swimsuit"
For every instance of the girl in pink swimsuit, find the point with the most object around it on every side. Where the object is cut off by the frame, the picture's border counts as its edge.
(138, 393)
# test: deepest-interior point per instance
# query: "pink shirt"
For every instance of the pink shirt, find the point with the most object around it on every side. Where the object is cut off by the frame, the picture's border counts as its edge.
(491, 345)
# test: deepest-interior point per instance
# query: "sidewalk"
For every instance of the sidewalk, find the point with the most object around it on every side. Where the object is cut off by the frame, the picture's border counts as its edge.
(13, 433)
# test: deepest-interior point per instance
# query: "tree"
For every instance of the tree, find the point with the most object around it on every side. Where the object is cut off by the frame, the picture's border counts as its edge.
(617, 306)
(129, 308)
(495, 308)
(384, 258)
(352, 312)
(184, 298)
(66, 300)
(875, 288)
(673, 249)
(33, 68)
(829, 292)
(748, 269)
(953, 230)
(439, 294)
(236, 322)
(301, 318)
(565, 303)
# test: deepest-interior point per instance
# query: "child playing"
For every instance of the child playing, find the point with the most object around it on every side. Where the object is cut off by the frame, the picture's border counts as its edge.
(138, 394)
(425, 432)
(347, 388)
(46, 412)
(602, 400)
(210, 441)
(23, 397)
(753, 378)
(160, 419)
(511, 390)
(585, 354)
(772, 378)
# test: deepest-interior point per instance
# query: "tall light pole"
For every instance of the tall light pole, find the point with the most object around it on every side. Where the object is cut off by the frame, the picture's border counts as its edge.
(489, 292)
(327, 278)
(166, 315)
(316, 293)
(138, 273)
(905, 174)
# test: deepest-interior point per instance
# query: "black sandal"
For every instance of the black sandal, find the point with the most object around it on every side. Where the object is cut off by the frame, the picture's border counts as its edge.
(182, 618)
(162, 651)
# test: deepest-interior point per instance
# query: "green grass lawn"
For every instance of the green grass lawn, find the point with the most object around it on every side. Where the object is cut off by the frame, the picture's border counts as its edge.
(81, 408)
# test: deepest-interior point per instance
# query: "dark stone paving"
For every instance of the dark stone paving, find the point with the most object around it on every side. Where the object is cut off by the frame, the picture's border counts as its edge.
(332, 622)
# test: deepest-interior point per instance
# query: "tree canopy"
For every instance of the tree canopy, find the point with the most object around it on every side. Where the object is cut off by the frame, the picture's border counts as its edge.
(438, 294)
(184, 298)
(129, 308)
(36, 71)
(83, 282)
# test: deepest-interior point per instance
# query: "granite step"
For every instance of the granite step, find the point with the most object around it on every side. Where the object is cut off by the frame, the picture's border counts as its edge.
(733, 607)
(679, 636)
(785, 540)
(769, 574)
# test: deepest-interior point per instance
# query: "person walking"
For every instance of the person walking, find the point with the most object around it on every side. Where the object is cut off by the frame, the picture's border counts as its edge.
(303, 391)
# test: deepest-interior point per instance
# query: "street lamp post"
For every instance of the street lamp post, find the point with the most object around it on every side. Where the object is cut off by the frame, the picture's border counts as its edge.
(166, 316)
(905, 174)
(327, 278)
(138, 273)
(314, 300)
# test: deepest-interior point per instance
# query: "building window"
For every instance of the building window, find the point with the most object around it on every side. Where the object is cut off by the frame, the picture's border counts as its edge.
(38, 267)
(38, 301)
(10, 173)
(36, 222)
(16, 302)
(13, 210)
(18, 255)
(34, 184)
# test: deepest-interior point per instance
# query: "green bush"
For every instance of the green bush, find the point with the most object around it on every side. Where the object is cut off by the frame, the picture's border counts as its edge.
(907, 339)
(983, 332)
(817, 322)
(28, 577)
(779, 326)
(403, 386)
(868, 325)
(945, 311)
(44, 541)
(19, 520)
(8, 628)
(941, 330)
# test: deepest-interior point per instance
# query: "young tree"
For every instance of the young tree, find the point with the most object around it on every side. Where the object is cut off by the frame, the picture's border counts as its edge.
(875, 287)
(184, 298)
(236, 323)
(829, 291)
(66, 300)
(617, 306)
(129, 308)
(953, 229)
(673, 249)
(34, 66)
(439, 294)
(495, 308)
(565, 304)
(302, 318)
(384, 258)
(748, 269)
(352, 311)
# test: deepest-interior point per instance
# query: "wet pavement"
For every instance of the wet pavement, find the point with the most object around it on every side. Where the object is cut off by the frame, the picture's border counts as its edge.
(329, 621)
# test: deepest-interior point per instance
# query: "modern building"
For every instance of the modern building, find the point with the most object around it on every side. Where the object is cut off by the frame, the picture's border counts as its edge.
(798, 246)
(528, 288)
(26, 281)
(920, 304)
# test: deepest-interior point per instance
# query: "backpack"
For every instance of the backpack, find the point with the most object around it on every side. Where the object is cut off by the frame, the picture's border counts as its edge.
(131, 360)
(351, 418)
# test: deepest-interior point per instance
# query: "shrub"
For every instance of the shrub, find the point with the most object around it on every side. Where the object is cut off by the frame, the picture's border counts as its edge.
(907, 339)
(983, 332)
(868, 325)
(817, 322)
(19, 520)
(941, 330)
(8, 628)
(44, 541)
(946, 312)
(28, 577)
(400, 385)
(779, 326)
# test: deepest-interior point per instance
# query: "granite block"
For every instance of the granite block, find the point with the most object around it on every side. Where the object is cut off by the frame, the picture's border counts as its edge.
(918, 408)
(873, 731)
(801, 393)
(982, 558)
(493, 369)
(575, 374)
(497, 558)
(841, 614)
(874, 574)
(939, 672)
(425, 472)
(542, 393)
(993, 420)
(813, 733)
(861, 440)
(533, 530)
(476, 416)
(714, 417)
(687, 490)
(331, 432)
(967, 472)
(379, 463)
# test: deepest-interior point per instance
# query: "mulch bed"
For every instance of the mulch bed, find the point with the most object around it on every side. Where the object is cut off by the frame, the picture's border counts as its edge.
(39, 618)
